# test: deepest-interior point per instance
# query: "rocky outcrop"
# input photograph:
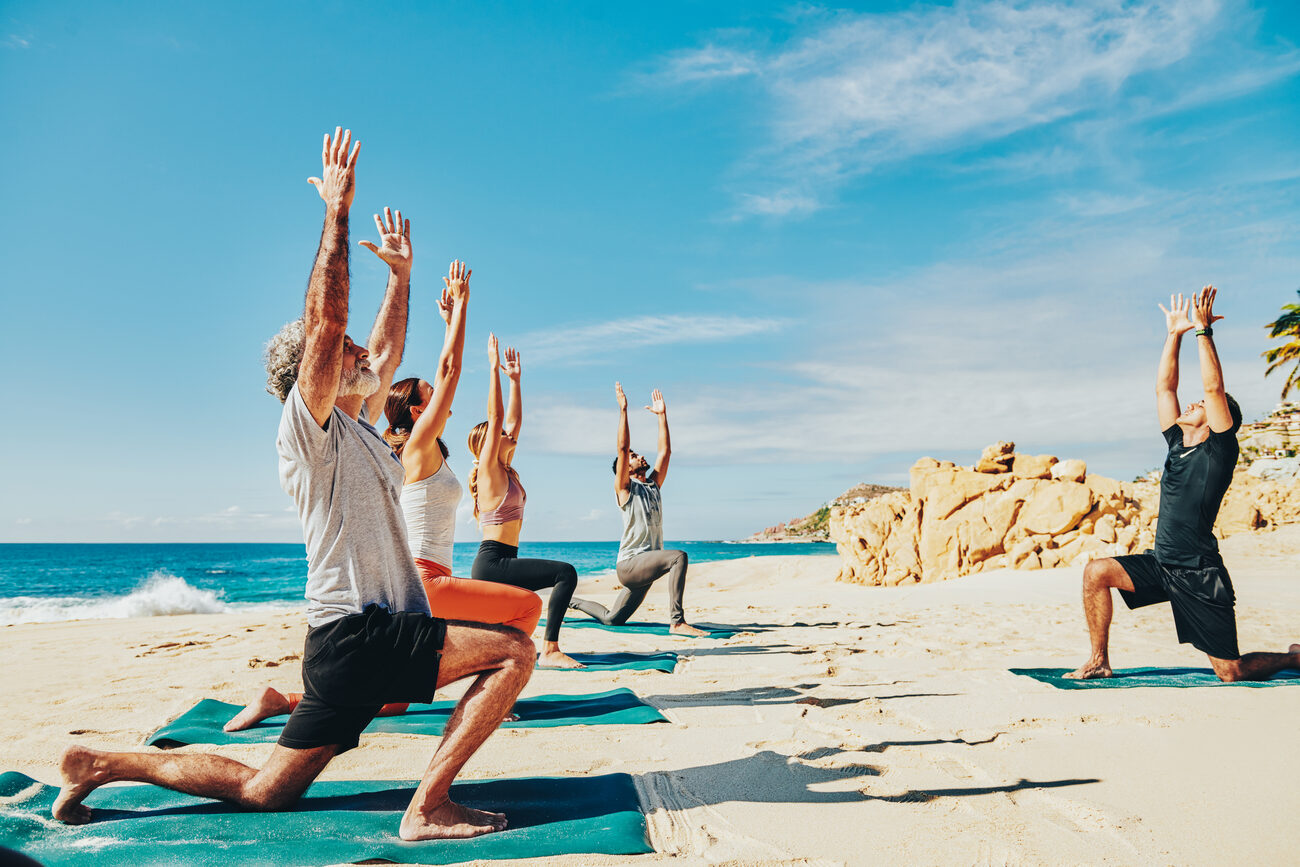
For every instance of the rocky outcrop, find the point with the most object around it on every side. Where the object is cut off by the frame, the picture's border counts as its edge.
(1026, 512)
(1010, 509)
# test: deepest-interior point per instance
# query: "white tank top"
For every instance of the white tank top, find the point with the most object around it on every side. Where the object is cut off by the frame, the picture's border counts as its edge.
(429, 506)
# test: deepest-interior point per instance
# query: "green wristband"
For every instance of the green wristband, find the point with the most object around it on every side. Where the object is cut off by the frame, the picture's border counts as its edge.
(1207, 331)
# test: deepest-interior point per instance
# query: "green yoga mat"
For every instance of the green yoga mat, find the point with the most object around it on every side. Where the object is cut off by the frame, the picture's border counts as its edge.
(621, 662)
(335, 822)
(1132, 678)
(202, 723)
(640, 627)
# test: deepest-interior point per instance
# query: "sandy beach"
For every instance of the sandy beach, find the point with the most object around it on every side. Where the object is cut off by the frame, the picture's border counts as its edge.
(846, 725)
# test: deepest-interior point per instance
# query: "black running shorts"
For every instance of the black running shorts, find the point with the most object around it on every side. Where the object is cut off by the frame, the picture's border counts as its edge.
(353, 666)
(1202, 601)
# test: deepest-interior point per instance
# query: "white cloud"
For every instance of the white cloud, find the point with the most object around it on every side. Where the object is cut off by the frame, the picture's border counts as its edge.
(621, 334)
(23, 521)
(13, 40)
(850, 91)
(1053, 345)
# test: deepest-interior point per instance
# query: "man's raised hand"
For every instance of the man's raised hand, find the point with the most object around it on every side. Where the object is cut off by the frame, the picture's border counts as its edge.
(620, 396)
(514, 368)
(1176, 316)
(394, 242)
(657, 405)
(494, 355)
(1205, 306)
(457, 280)
(338, 181)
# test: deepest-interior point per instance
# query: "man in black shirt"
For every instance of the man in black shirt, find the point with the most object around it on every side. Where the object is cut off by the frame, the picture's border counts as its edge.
(1185, 569)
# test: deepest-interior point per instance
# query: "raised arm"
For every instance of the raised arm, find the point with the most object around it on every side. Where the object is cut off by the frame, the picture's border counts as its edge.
(1176, 324)
(515, 409)
(422, 447)
(388, 338)
(622, 475)
(659, 408)
(1216, 396)
(489, 459)
(325, 315)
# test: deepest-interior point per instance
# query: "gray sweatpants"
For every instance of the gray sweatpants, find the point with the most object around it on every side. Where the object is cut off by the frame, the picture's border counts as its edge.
(636, 574)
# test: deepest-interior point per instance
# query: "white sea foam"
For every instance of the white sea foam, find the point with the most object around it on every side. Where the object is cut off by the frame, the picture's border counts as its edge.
(160, 594)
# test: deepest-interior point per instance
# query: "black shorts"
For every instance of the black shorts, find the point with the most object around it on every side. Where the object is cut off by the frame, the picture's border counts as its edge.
(1202, 601)
(353, 666)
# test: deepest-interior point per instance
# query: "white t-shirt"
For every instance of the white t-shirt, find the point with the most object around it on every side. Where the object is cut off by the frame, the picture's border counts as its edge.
(346, 470)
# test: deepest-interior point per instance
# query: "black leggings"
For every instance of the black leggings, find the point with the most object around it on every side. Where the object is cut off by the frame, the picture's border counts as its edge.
(500, 563)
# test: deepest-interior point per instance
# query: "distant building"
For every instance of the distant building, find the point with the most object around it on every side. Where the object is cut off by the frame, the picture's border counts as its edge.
(1275, 436)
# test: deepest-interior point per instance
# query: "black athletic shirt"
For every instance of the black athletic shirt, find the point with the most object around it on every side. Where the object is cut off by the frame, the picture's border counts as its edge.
(1191, 489)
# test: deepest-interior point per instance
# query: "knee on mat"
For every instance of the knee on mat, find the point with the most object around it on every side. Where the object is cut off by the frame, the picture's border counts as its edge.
(266, 798)
(1229, 671)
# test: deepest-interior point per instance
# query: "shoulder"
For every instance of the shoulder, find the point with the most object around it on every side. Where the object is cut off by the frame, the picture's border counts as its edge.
(1173, 435)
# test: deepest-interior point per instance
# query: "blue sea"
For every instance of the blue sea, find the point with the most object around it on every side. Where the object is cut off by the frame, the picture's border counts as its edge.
(45, 582)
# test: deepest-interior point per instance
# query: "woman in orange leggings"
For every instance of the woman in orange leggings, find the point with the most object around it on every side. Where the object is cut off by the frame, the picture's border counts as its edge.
(417, 413)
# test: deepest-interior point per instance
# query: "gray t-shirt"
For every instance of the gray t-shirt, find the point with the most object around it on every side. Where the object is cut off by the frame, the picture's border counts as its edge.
(643, 519)
(347, 470)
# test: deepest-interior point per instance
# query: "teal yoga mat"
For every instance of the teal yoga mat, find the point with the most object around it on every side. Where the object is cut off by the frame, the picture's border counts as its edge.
(335, 822)
(621, 662)
(202, 723)
(640, 627)
(1131, 678)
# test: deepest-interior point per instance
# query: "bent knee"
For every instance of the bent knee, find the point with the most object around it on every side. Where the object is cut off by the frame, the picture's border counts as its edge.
(266, 798)
(1102, 573)
(567, 575)
(1228, 670)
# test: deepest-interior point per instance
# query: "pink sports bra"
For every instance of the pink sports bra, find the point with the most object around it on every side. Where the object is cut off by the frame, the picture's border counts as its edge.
(511, 508)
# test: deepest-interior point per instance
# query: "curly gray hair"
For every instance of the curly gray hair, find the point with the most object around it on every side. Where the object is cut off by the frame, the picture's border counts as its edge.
(283, 355)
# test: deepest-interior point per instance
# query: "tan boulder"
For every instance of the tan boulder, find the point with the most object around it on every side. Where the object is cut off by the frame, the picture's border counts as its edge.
(1055, 507)
(943, 491)
(1033, 466)
(1070, 470)
(996, 458)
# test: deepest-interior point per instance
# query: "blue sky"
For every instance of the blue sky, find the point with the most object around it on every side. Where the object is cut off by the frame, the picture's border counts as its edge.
(838, 239)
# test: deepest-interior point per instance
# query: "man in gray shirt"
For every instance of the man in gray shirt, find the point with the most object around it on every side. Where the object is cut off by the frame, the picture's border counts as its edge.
(371, 639)
(642, 559)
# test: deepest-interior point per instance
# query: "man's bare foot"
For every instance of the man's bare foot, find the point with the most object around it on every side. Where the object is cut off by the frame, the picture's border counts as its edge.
(270, 703)
(1091, 671)
(80, 778)
(449, 821)
(558, 659)
(687, 629)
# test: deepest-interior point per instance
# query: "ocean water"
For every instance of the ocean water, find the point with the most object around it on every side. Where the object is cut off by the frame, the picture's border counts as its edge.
(45, 582)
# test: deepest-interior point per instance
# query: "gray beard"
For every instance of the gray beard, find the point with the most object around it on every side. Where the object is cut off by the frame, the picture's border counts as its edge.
(358, 382)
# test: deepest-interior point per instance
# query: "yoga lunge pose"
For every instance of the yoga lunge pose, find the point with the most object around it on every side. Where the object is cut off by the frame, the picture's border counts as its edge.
(417, 413)
(371, 638)
(642, 559)
(1185, 569)
(499, 506)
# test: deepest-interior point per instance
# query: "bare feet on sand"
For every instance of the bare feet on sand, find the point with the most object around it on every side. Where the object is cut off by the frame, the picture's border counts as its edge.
(449, 821)
(1091, 670)
(687, 629)
(558, 659)
(270, 703)
(80, 778)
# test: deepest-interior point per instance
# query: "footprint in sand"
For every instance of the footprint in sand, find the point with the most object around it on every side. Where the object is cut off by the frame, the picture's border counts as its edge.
(259, 662)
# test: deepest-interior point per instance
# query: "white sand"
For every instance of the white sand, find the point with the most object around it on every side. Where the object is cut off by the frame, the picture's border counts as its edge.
(856, 726)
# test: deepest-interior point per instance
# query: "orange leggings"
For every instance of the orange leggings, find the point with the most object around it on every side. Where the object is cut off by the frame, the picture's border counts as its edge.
(466, 599)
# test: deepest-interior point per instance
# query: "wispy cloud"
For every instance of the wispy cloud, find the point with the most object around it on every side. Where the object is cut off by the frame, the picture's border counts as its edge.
(590, 341)
(850, 91)
(13, 40)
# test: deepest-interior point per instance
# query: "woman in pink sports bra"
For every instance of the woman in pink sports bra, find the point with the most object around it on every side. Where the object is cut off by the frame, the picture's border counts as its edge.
(499, 506)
